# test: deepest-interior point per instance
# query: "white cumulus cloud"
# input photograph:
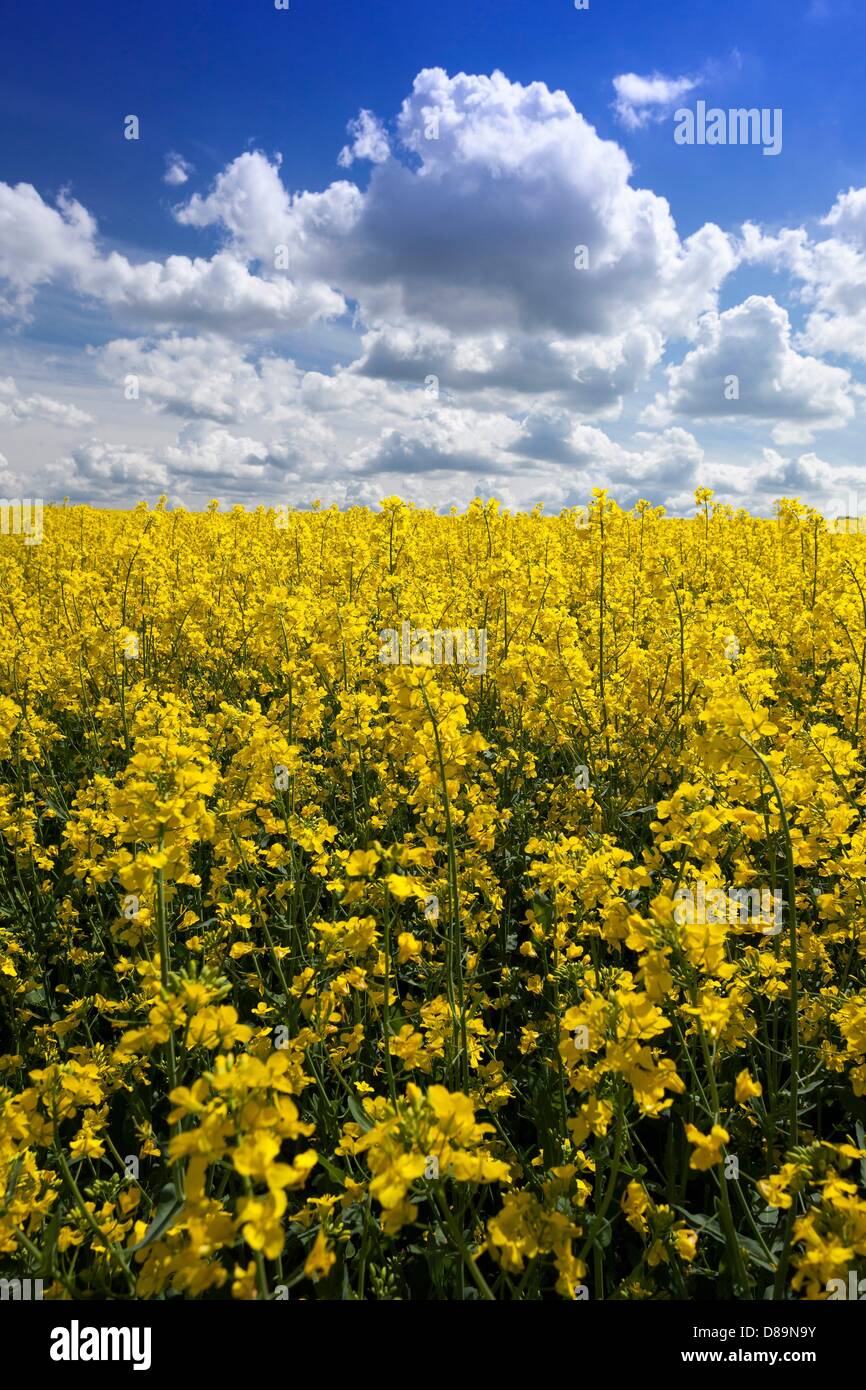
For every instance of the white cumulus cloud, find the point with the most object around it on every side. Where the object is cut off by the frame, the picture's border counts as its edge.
(177, 170)
(640, 100)
(744, 367)
(369, 140)
(16, 408)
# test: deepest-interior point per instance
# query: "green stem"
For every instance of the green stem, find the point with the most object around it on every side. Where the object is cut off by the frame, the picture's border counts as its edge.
(386, 1003)
(474, 1272)
(456, 938)
(89, 1218)
(792, 948)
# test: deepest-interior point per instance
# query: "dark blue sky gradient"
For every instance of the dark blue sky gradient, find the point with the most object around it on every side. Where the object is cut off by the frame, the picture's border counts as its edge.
(210, 78)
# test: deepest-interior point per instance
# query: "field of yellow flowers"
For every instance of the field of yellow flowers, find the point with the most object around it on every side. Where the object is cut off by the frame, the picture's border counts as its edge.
(337, 964)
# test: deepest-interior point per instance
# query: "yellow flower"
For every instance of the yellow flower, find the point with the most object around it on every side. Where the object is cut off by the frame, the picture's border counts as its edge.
(244, 1283)
(217, 1027)
(401, 886)
(708, 1147)
(408, 947)
(686, 1243)
(746, 1088)
(362, 863)
(321, 1258)
(261, 1220)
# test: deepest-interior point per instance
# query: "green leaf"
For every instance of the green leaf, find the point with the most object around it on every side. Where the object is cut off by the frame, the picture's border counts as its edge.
(861, 1144)
(709, 1224)
(756, 1253)
(168, 1206)
(332, 1170)
(358, 1114)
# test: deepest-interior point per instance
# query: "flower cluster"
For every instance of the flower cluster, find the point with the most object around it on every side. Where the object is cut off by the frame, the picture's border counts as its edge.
(329, 977)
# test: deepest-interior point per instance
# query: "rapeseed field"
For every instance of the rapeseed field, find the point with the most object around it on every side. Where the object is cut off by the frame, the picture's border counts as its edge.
(397, 905)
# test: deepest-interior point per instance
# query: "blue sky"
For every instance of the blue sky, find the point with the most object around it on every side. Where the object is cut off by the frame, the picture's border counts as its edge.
(430, 334)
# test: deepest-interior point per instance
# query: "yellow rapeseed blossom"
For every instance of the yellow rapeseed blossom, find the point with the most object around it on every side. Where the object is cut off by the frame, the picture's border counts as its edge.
(414, 905)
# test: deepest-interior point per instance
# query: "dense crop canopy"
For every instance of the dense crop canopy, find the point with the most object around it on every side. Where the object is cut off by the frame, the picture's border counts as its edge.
(397, 905)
